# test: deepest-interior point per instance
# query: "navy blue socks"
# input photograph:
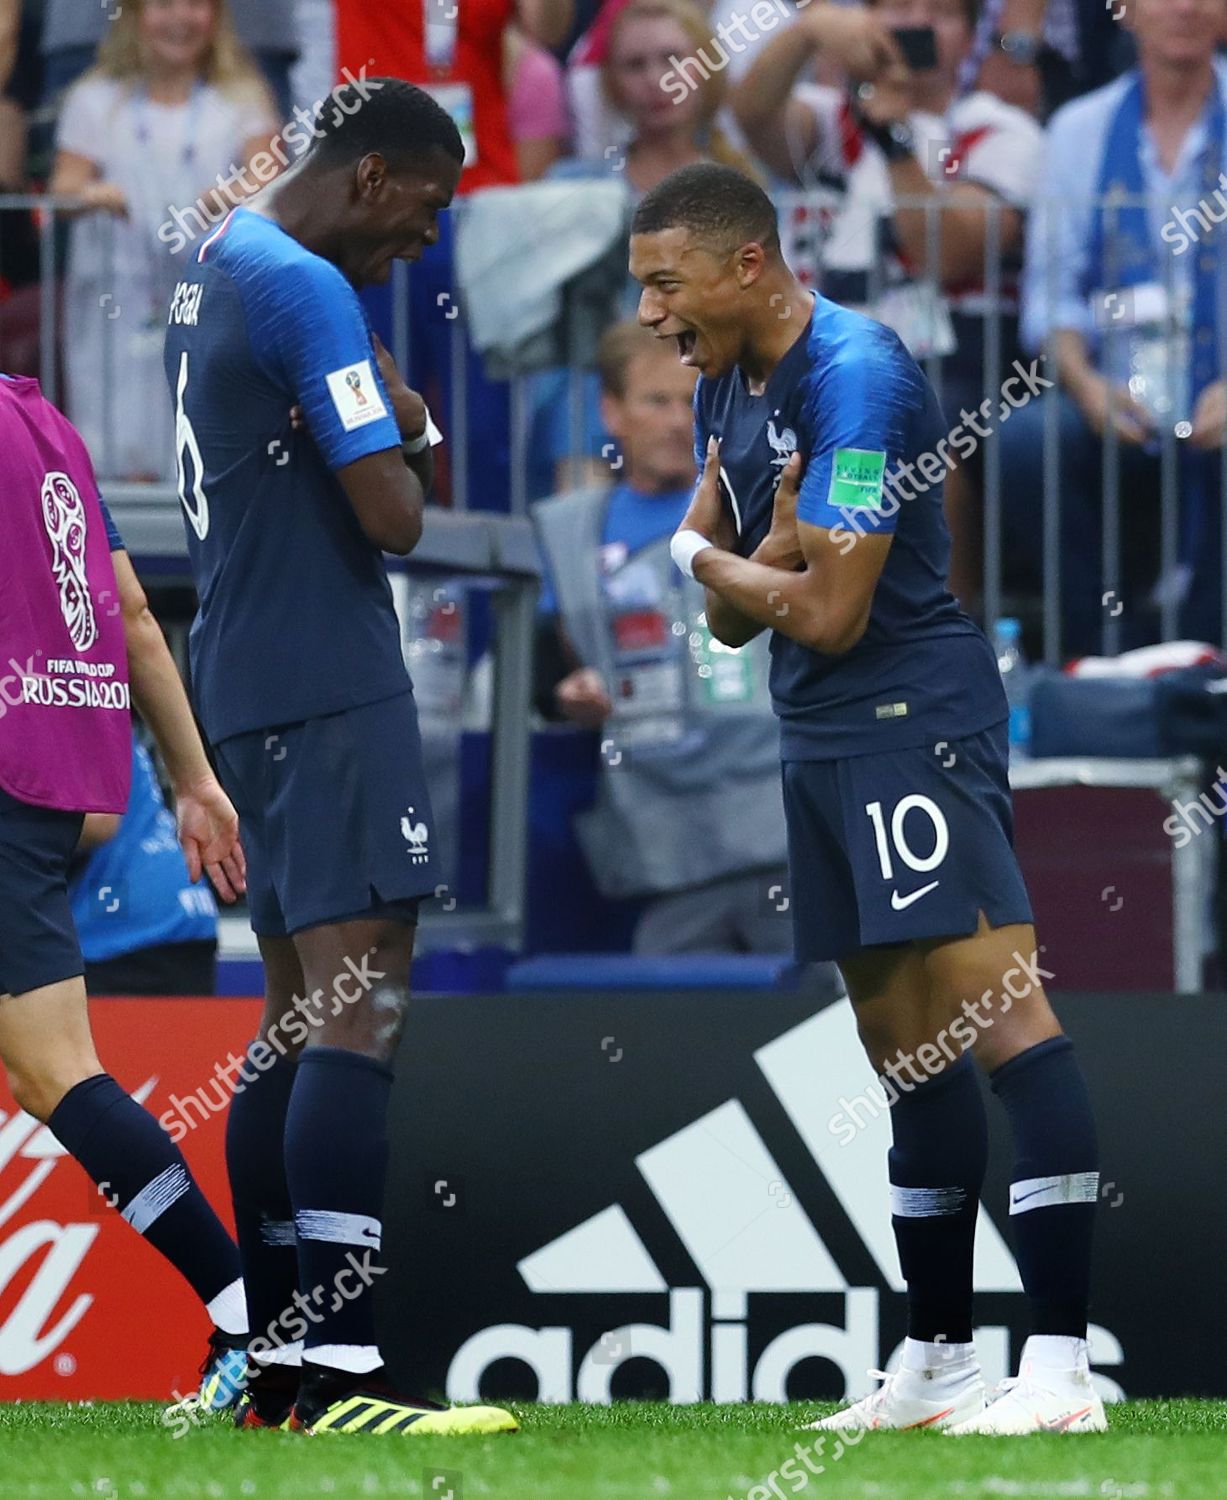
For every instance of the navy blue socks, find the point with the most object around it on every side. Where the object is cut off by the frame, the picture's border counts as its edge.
(263, 1214)
(336, 1157)
(1055, 1181)
(937, 1166)
(142, 1172)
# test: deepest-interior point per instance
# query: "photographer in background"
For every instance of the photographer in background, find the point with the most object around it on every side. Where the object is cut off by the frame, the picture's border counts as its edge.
(145, 927)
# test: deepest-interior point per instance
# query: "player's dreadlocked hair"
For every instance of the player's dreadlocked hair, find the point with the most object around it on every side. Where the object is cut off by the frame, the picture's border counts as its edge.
(387, 115)
(718, 205)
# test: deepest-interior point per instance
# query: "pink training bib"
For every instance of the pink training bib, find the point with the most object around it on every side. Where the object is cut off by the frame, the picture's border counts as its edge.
(65, 718)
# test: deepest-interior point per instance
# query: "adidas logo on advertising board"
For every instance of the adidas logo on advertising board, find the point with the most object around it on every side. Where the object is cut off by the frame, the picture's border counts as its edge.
(739, 1220)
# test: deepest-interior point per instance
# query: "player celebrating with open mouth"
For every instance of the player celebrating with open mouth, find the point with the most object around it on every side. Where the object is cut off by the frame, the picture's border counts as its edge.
(894, 749)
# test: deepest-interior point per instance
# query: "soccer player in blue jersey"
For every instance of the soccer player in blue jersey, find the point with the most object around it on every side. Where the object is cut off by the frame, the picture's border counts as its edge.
(894, 749)
(302, 458)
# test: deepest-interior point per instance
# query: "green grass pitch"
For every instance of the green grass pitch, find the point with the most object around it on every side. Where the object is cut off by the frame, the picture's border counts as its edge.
(630, 1451)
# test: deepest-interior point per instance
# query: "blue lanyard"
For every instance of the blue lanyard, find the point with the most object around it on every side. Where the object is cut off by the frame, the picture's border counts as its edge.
(1130, 250)
(1134, 258)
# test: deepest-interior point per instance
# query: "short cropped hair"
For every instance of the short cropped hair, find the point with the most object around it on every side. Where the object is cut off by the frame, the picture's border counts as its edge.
(717, 204)
(620, 344)
(398, 120)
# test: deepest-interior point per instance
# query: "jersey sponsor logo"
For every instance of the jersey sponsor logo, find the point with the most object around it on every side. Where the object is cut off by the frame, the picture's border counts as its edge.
(64, 517)
(857, 479)
(355, 394)
(901, 903)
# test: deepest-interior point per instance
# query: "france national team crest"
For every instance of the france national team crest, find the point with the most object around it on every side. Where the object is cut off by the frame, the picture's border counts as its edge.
(417, 836)
(783, 443)
(355, 394)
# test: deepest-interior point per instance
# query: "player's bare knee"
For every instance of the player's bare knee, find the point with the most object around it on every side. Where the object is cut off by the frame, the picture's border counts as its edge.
(360, 994)
(1020, 1029)
(371, 1025)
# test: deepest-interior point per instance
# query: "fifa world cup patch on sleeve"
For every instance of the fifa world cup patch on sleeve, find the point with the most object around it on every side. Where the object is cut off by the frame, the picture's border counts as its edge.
(355, 394)
(856, 479)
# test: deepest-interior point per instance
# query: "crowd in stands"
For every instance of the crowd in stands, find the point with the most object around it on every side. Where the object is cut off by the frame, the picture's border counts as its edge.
(913, 145)
(1002, 181)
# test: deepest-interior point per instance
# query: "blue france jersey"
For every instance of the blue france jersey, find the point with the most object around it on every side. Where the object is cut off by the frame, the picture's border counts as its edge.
(850, 397)
(296, 617)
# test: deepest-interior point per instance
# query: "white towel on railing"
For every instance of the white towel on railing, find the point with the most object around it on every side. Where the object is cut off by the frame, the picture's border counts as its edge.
(517, 248)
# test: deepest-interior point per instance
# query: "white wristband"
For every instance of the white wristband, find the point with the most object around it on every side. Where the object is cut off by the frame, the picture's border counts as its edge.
(415, 445)
(685, 547)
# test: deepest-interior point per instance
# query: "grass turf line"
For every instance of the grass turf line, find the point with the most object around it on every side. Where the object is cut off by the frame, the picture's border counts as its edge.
(1156, 1450)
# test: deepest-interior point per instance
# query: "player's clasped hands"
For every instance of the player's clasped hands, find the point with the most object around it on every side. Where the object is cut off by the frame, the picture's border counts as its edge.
(408, 406)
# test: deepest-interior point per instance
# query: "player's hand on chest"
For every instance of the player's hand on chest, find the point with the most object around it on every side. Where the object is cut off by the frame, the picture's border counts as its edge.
(753, 455)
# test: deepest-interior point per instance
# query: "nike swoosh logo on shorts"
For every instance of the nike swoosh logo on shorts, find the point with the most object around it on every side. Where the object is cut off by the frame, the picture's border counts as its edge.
(899, 902)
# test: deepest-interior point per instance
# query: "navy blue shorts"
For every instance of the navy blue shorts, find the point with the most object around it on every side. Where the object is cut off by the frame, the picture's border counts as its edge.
(334, 817)
(38, 940)
(901, 846)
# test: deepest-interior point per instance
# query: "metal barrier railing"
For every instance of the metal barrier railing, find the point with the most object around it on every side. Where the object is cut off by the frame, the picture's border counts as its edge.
(993, 309)
(496, 555)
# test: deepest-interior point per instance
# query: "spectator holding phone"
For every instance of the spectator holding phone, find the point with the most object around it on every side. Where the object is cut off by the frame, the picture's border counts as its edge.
(901, 147)
(900, 133)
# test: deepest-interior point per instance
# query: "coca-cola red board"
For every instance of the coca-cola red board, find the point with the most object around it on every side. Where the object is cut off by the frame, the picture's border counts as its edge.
(80, 1293)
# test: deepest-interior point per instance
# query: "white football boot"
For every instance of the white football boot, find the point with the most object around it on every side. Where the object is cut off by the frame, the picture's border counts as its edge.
(1052, 1392)
(936, 1385)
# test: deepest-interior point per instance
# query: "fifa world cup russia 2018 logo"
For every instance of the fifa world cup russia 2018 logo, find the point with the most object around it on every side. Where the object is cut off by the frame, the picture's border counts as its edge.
(64, 518)
(354, 381)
